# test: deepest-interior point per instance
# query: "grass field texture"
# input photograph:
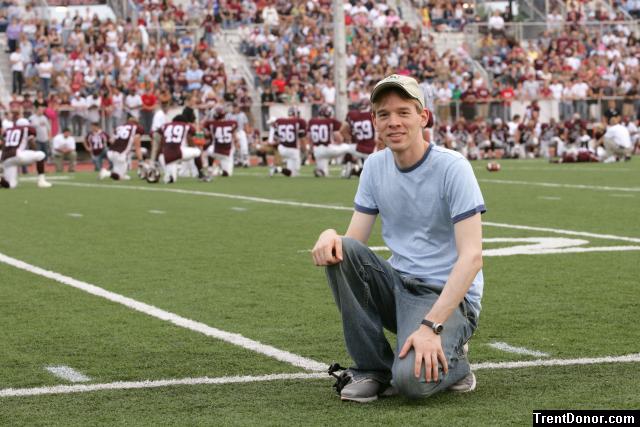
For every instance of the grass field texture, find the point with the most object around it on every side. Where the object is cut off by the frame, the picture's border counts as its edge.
(234, 255)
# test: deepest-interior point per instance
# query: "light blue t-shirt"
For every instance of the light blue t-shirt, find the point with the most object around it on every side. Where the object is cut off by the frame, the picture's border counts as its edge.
(419, 207)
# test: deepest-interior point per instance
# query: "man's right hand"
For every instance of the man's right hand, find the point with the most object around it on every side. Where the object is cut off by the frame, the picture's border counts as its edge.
(328, 248)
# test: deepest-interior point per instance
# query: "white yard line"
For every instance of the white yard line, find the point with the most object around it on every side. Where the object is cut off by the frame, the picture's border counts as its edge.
(503, 346)
(333, 207)
(556, 185)
(232, 338)
(75, 215)
(49, 178)
(208, 194)
(156, 212)
(68, 373)
(128, 385)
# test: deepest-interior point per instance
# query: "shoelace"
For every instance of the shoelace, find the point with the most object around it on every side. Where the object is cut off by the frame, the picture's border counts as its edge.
(342, 379)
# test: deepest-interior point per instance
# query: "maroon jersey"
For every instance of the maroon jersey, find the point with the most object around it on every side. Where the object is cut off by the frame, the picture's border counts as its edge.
(16, 138)
(97, 141)
(362, 132)
(289, 131)
(125, 135)
(174, 136)
(220, 134)
(321, 130)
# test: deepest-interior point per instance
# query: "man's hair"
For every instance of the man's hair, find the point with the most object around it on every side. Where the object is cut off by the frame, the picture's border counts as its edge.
(402, 94)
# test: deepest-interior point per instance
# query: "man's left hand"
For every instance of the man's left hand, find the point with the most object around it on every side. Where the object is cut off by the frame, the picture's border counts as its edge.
(428, 349)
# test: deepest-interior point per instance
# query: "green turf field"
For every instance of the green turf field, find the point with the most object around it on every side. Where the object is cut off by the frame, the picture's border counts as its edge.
(233, 257)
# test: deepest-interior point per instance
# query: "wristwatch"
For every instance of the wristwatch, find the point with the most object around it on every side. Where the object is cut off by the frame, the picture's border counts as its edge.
(435, 327)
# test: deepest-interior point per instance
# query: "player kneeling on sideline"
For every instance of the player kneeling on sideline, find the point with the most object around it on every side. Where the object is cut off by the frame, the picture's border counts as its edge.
(324, 133)
(175, 145)
(126, 137)
(18, 149)
(429, 291)
(222, 136)
(290, 134)
(359, 131)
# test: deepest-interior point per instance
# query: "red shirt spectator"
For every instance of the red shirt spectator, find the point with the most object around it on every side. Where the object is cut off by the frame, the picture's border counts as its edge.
(149, 100)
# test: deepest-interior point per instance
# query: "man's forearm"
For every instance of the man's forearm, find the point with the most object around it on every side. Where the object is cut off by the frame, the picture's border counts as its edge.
(459, 282)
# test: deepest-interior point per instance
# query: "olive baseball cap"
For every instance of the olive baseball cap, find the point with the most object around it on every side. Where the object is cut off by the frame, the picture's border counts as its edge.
(407, 84)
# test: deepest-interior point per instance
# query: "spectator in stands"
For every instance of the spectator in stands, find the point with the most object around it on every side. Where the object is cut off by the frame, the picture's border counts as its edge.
(270, 16)
(78, 113)
(147, 110)
(17, 70)
(133, 103)
(45, 71)
(64, 148)
(14, 29)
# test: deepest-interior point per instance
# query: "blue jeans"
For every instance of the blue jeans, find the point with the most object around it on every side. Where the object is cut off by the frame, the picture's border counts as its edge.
(371, 295)
(44, 147)
(99, 159)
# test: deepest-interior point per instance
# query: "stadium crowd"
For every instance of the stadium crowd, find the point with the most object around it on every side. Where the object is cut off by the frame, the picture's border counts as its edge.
(84, 74)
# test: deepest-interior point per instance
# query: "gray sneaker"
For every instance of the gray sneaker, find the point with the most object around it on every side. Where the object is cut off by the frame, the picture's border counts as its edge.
(362, 390)
(468, 382)
(465, 385)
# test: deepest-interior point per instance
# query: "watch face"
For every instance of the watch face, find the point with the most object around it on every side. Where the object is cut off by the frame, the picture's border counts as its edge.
(437, 328)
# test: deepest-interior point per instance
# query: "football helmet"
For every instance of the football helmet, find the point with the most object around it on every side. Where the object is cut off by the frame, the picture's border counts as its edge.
(219, 112)
(22, 122)
(293, 112)
(149, 172)
(325, 110)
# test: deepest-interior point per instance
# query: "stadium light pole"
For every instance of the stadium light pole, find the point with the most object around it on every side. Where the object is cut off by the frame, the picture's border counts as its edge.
(339, 59)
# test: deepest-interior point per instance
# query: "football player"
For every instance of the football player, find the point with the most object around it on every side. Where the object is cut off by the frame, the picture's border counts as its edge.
(290, 133)
(18, 149)
(176, 146)
(324, 133)
(358, 130)
(222, 140)
(240, 134)
(126, 138)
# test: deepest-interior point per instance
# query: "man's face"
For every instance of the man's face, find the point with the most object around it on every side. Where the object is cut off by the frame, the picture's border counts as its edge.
(398, 122)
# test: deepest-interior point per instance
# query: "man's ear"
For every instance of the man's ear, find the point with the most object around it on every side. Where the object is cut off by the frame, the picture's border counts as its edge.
(429, 122)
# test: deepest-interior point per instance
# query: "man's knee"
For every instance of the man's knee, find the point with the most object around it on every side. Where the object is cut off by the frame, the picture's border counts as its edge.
(352, 247)
(408, 385)
(349, 267)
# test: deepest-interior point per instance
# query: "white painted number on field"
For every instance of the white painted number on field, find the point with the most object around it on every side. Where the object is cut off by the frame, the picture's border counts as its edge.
(539, 246)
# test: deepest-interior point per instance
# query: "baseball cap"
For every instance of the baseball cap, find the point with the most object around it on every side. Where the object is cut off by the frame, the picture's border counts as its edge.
(407, 84)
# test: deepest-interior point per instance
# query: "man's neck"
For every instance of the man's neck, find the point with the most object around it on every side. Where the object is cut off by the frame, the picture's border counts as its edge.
(411, 156)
